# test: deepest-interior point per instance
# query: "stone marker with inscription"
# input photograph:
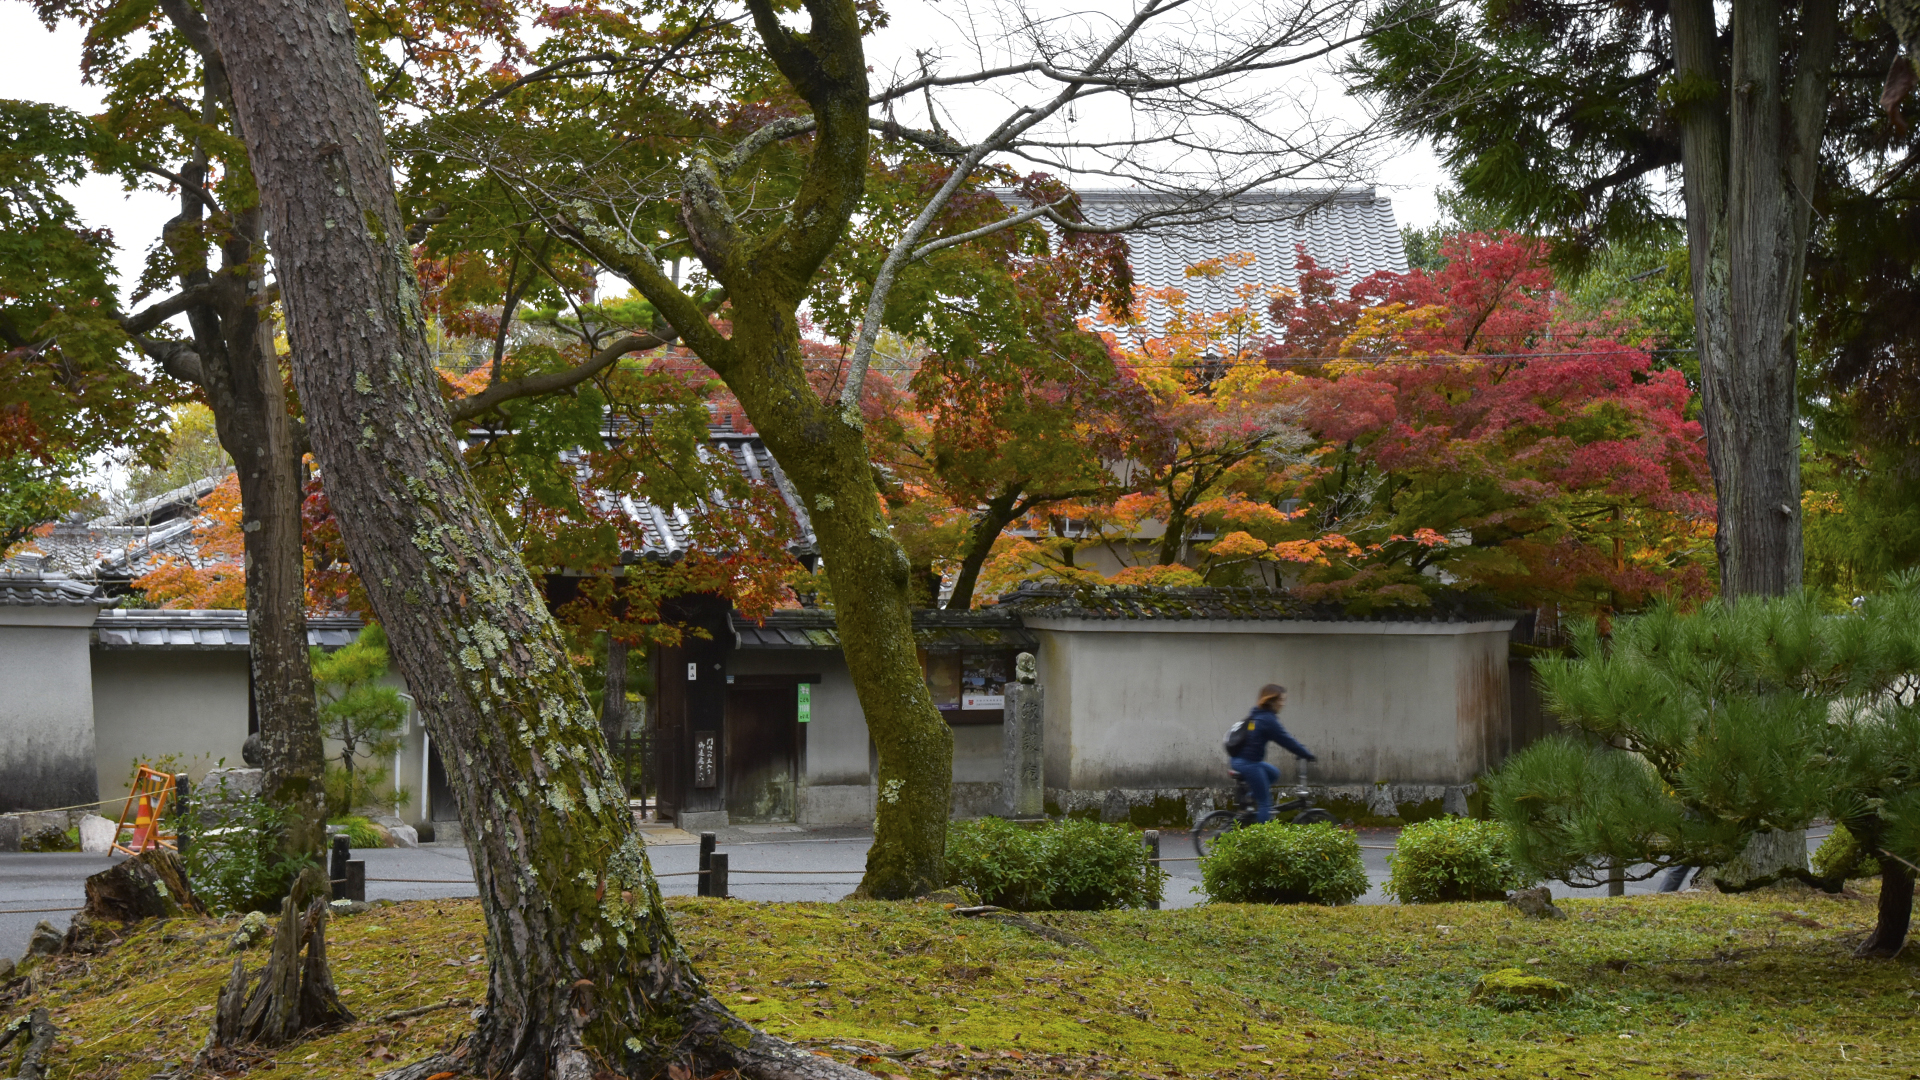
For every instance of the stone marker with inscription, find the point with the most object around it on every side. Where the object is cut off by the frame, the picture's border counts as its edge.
(1025, 742)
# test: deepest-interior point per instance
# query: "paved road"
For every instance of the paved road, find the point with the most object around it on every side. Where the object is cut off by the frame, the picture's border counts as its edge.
(833, 857)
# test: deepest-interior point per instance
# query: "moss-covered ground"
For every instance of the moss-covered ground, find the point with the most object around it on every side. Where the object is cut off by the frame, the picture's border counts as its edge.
(1686, 986)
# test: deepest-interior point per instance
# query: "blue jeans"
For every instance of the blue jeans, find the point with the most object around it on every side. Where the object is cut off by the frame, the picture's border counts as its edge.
(1260, 778)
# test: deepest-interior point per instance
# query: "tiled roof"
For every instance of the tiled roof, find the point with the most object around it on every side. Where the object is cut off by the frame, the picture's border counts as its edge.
(665, 532)
(25, 588)
(202, 630)
(1349, 231)
(934, 631)
(125, 544)
(1227, 604)
(1138, 602)
(164, 506)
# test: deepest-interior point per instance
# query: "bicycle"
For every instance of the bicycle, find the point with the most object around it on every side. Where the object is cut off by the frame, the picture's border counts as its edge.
(1212, 826)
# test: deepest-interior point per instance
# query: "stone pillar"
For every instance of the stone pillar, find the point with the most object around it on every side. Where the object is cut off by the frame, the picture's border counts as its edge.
(1024, 743)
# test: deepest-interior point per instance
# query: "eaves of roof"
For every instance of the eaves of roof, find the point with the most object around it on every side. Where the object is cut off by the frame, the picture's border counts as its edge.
(28, 589)
(934, 631)
(202, 630)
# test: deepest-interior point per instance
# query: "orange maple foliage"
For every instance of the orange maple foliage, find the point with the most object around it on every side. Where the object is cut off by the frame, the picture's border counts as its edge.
(215, 575)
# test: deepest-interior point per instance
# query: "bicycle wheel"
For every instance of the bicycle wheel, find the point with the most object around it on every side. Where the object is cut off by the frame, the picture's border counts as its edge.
(1209, 828)
(1312, 815)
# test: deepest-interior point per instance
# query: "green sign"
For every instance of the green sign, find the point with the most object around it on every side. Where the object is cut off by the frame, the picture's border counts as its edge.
(806, 702)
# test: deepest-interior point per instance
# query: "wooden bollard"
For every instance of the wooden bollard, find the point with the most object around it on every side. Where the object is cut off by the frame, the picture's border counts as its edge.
(717, 874)
(703, 884)
(1152, 837)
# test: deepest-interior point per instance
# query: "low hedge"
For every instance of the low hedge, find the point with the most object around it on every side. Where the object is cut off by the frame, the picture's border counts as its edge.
(1277, 863)
(1453, 859)
(1063, 865)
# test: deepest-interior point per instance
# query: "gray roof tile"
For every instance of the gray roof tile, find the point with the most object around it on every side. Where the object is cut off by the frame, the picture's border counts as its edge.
(203, 630)
(1349, 231)
(24, 588)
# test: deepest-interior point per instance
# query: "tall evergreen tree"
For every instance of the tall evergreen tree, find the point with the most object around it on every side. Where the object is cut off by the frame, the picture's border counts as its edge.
(1562, 115)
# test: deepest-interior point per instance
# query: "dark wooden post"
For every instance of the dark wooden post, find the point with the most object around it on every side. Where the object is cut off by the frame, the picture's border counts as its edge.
(705, 880)
(356, 883)
(717, 874)
(182, 791)
(1153, 863)
(337, 865)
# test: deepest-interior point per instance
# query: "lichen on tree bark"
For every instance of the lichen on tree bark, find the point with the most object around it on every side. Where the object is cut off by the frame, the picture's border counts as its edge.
(584, 969)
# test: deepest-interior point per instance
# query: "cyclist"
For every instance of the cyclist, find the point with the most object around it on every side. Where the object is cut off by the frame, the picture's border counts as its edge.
(1249, 762)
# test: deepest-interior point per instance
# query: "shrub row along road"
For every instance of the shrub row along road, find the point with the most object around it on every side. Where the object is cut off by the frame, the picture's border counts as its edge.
(31, 884)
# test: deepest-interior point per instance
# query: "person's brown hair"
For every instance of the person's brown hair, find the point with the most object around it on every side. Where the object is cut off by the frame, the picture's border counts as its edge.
(1269, 692)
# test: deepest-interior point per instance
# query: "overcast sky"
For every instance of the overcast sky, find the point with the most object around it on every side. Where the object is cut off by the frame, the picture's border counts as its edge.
(44, 66)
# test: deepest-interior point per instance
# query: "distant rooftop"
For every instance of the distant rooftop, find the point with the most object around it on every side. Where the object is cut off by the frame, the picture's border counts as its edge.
(1350, 231)
(123, 545)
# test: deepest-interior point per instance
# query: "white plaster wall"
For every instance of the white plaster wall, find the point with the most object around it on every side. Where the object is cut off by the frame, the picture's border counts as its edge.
(46, 708)
(979, 755)
(1138, 709)
(151, 703)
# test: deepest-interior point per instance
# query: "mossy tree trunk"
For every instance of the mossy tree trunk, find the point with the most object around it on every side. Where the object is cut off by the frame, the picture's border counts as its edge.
(585, 972)
(820, 443)
(233, 360)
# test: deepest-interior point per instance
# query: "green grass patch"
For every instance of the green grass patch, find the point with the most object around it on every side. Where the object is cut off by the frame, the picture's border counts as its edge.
(1677, 986)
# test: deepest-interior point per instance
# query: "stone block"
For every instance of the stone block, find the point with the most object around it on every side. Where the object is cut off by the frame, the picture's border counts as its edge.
(97, 834)
(229, 781)
(1535, 903)
(702, 820)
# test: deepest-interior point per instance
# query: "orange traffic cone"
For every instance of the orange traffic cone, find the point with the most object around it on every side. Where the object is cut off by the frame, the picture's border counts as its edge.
(143, 827)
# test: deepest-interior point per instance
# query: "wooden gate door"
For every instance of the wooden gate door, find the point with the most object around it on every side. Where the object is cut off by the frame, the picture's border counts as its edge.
(760, 759)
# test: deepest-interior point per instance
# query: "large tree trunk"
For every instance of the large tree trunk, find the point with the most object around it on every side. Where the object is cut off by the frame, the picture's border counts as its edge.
(821, 445)
(584, 966)
(1749, 151)
(239, 369)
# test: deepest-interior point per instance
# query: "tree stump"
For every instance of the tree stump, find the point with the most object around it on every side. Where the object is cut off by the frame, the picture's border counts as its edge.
(295, 993)
(151, 885)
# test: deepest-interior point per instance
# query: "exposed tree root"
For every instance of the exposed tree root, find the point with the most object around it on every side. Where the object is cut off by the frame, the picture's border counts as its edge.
(40, 1034)
(1019, 921)
(295, 993)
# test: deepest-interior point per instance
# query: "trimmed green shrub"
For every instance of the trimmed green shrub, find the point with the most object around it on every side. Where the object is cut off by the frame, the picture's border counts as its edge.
(1277, 863)
(231, 847)
(1840, 855)
(1453, 859)
(1063, 865)
(361, 831)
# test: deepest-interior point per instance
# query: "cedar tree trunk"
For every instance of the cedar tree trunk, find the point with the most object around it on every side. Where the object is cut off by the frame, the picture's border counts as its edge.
(1750, 142)
(821, 445)
(584, 970)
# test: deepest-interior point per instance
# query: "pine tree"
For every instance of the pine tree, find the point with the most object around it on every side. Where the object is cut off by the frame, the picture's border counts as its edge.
(1698, 731)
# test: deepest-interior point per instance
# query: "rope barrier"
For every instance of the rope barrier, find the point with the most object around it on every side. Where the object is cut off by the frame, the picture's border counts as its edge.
(42, 910)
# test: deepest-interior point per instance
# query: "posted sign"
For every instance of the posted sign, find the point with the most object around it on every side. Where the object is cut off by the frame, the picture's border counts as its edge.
(806, 702)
